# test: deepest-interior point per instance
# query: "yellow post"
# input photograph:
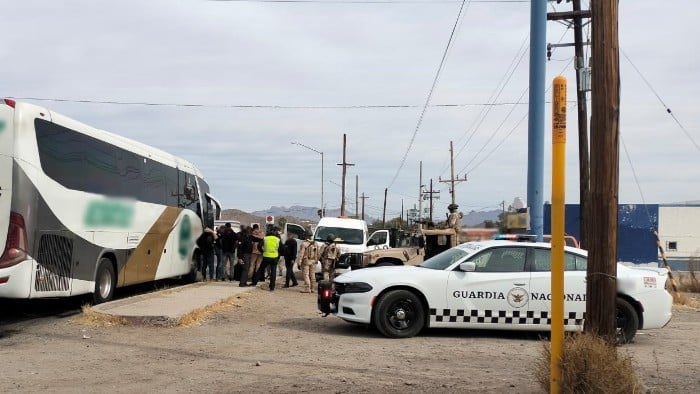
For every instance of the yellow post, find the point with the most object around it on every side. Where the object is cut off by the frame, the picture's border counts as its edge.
(558, 191)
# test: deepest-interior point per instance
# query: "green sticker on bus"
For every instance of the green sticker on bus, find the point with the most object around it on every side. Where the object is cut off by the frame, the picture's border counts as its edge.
(109, 213)
(185, 237)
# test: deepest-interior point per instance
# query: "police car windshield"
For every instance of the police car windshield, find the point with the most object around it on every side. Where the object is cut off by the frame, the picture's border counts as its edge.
(444, 259)
(342, 235)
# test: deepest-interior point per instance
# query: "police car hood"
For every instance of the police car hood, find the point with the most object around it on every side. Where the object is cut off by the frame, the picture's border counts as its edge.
(402, 273)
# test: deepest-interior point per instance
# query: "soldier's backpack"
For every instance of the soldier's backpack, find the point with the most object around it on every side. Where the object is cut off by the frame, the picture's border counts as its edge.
(311, 252)
(331, 252)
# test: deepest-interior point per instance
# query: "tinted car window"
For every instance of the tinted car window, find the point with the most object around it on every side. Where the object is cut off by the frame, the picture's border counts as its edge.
(509, 259)
(445, 259)
(542, 261)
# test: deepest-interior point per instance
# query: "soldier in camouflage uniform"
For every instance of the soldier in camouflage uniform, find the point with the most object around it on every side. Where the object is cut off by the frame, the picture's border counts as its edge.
(307, 259)
(329, 253)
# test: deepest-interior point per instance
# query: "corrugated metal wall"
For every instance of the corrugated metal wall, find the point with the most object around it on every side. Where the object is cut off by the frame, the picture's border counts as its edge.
(636, 222)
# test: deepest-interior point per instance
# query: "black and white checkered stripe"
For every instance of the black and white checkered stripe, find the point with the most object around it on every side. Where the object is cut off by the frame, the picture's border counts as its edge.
(501, 317)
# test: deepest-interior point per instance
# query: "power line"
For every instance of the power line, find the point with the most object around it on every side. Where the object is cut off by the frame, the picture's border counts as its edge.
(430, 93)
(510, 132)
(263, 106)
(471, 131)
(372, 1)
(668, 110)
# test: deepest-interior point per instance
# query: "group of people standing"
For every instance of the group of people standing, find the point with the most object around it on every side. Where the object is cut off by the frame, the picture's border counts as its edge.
(251, 256)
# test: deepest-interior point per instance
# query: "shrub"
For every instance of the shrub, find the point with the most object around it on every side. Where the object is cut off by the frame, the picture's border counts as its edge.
(589, 365)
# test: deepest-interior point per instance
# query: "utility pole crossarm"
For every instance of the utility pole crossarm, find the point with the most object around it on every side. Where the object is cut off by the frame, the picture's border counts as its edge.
(557, 16)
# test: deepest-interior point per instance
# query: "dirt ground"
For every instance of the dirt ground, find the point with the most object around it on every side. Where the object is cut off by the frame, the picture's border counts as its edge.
(277, 342)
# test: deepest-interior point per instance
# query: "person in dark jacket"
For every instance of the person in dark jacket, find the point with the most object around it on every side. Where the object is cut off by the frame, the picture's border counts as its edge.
(290, 254)
(245, 249)
(228, 249)
(218, 252)
(205, 242)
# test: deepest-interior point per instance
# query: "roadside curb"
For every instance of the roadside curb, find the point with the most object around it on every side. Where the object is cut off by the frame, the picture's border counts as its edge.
(166, 308)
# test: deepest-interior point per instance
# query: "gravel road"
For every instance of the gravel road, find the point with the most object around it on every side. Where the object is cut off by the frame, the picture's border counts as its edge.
(277, 342)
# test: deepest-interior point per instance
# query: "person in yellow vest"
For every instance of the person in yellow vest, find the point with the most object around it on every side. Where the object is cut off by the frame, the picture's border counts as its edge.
(270, 256)
(307, 259)
(329, 253)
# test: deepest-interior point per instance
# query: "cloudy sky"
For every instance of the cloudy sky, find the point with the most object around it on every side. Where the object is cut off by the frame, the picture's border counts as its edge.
(294, 60)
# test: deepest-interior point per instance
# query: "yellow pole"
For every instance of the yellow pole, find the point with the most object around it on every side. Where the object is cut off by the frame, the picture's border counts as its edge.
(558, 191)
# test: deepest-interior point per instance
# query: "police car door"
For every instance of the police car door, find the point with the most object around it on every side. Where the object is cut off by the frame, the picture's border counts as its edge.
(574, 288)
(490, 295)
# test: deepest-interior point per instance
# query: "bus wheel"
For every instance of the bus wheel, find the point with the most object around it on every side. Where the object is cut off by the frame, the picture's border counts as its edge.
(105, 281)
(195, 274)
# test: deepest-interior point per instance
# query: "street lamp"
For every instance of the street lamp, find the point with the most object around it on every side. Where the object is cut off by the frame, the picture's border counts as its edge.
(323, 211)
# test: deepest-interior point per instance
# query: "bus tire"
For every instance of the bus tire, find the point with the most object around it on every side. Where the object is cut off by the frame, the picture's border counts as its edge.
(105, 281)
(195, 274)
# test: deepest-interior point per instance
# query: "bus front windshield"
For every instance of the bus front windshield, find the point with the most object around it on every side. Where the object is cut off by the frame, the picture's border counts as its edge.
(342, 235)
(444, 259)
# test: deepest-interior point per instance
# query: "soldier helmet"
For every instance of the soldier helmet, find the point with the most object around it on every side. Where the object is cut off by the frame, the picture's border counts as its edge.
(452, 207)
(330, 238)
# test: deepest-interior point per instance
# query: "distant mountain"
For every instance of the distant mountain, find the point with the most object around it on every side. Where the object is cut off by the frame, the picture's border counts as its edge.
(475, 218)
(298, 211)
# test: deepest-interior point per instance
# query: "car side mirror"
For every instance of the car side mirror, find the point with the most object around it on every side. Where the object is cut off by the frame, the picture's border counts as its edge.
(468, 266)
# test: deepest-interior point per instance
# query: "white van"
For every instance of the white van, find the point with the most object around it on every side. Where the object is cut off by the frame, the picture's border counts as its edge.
(349, 234)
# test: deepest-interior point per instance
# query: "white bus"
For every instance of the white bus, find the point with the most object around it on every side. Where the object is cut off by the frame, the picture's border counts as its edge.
(86, 211)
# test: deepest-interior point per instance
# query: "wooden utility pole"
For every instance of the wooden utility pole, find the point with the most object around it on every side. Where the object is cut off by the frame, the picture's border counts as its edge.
(357, 195)
(602, 251)
(582, 86)
(583, 162)
(420, 197)
(345, 165)
(431, 195)
(363, 204)
(452, 181)
(384, 210)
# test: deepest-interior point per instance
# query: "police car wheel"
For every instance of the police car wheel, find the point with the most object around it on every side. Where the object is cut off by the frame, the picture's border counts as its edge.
(626, 320)
(399, 314)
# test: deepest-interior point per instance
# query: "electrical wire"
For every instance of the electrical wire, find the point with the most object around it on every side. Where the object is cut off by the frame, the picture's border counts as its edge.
(668, 110)
(634, 175)
(505, 138)
(372, 1)
(492, 135)
(430, 93)
(262, 106)
(502, 83)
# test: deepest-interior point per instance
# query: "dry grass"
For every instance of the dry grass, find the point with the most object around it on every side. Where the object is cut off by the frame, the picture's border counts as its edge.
(198, 315)
(590, 365)
(683, 300)
(690, 283)
(91, 318)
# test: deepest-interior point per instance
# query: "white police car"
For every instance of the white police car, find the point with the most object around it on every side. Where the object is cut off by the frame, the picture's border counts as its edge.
(489, 284)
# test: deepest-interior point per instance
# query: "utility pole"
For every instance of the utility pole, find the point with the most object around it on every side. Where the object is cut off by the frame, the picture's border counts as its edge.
(363, 205)
(583, 162)
(582, 87)
(420, 197)
(452, 179)
(345, 165)
(431, 195)
(605, 134)
(357, 193)
(384, 210)
(401, 220)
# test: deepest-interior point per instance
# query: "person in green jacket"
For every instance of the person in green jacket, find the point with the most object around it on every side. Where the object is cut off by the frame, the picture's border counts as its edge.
(271, 256)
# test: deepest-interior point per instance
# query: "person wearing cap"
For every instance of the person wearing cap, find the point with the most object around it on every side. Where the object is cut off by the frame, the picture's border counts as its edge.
(329, 253)
(454, 220)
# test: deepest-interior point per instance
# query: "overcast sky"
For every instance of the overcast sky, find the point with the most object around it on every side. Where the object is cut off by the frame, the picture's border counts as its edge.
(318, 55)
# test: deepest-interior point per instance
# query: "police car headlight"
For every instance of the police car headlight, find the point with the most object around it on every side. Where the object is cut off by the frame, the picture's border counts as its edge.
(354, 287)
